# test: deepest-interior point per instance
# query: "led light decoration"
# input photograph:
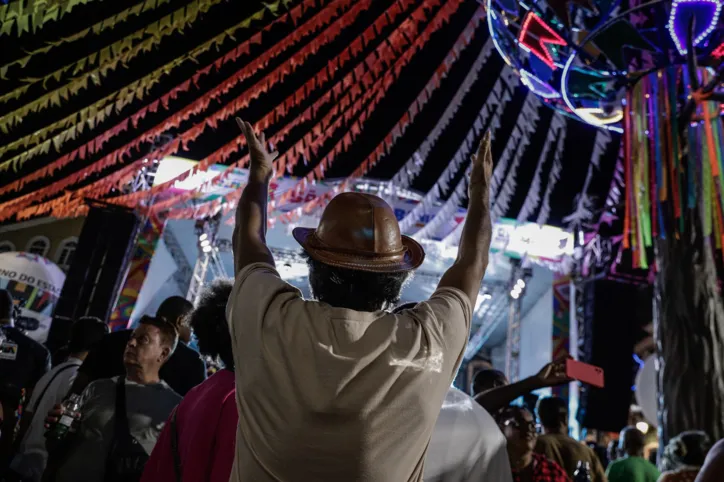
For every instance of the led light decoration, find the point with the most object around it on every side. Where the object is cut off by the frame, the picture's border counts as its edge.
(681, 13)
(537, 86)
(536, 36)
(718, 52)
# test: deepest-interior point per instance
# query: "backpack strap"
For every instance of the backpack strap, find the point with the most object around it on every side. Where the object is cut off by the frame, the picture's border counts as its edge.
(174, 446)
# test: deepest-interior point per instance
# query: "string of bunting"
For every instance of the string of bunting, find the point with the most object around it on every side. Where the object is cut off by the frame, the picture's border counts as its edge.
(197, 106)
(533, 197)
(361, 75)
(582, 214)
(442, 17)
(109, 57)
(104, 185)
(503, 185)
(96, 28)
(498, 96)
(383, 147)
(310, 142)
(447, 212)
(95, 117)
(109, 61)
(37, 13)
(411, 169)
(381, 56)
(553, 177)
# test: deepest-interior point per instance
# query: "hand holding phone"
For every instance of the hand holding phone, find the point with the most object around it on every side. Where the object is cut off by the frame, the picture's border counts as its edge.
(583, 372)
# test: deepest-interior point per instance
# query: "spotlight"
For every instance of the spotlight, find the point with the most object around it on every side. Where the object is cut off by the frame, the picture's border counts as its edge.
(206, 249)
(205, 243)
(515, 294)
(487, 296)
(520, 284)
(203, 237)
(643, 427)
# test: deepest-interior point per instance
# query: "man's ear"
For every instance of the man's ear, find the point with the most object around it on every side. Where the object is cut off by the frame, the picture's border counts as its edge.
(166, 353)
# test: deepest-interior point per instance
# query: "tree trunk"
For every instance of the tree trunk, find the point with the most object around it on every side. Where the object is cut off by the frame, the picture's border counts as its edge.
(689, 323)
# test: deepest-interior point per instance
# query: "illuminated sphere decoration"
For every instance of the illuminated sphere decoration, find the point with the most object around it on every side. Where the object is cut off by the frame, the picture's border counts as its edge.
(581, 56)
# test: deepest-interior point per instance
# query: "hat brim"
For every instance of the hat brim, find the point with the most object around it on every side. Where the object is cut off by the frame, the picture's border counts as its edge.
(412, 258)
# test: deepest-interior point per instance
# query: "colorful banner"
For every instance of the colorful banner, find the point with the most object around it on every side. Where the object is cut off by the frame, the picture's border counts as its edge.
(137, 270)
(34, 283)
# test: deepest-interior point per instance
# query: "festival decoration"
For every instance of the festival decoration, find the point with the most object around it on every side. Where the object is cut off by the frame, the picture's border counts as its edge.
(705, 14)
(108, 63)
(200, 104)
(34, 283)
(144, 249)
(96, 28)
(58, 206)
(15, 13)
(108, 58)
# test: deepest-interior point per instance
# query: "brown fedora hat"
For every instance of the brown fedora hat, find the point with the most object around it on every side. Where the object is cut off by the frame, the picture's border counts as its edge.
(360, 232)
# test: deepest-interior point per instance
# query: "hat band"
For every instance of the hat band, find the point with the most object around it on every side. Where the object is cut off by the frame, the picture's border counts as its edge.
(317, 243)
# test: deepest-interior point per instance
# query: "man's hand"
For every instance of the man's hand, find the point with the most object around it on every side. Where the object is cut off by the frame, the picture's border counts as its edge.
(482, 171)
(553, 374)
(262, 161)
(468, 270)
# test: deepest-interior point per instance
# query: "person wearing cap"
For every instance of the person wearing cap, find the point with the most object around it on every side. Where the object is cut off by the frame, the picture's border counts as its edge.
(339, 388)
(51, 389)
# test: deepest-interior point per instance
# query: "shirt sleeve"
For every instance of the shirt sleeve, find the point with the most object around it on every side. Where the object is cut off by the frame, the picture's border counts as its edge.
(449, 312)
(261, 302)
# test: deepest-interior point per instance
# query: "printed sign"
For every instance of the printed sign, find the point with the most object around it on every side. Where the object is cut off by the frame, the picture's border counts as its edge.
(34, 283)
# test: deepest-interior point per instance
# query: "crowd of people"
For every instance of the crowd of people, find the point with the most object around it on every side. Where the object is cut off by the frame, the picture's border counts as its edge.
(350, 386)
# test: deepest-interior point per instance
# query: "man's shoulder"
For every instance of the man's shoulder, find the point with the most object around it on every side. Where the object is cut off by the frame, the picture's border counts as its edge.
(23, 340)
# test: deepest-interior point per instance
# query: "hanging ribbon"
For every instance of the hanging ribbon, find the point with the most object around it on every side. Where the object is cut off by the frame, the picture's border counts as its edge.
(97, 113)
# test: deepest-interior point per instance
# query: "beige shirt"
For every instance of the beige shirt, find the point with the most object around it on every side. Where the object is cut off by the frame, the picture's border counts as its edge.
(331, 394)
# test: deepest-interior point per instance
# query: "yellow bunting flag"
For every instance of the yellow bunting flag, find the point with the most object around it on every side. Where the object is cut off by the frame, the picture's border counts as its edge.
(97, 112)
(120, 51)
(21, 13)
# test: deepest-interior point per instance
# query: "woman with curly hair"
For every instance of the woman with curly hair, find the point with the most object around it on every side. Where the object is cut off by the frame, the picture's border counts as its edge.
(197, 443)
(683, 456)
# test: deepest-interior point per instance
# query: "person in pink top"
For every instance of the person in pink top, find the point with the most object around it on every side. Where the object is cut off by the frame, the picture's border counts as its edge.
(197, 443)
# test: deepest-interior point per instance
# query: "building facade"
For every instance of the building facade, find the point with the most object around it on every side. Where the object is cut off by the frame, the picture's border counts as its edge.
(55, 239)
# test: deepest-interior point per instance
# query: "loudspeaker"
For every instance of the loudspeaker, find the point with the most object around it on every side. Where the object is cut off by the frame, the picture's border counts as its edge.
(98, 269)
(608, 326)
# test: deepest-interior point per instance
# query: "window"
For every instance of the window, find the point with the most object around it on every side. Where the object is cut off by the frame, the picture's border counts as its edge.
(38, 245)
(6, 246)
(66, 251)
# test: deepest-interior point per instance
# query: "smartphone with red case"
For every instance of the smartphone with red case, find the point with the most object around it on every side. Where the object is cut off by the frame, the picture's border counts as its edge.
(583, 372)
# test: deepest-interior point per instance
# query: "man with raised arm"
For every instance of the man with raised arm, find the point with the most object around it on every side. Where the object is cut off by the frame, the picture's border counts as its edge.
(339, 388)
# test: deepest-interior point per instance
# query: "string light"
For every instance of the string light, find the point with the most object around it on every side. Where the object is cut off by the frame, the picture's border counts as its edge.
(530, 81)
(540, 47)
(673, 17)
